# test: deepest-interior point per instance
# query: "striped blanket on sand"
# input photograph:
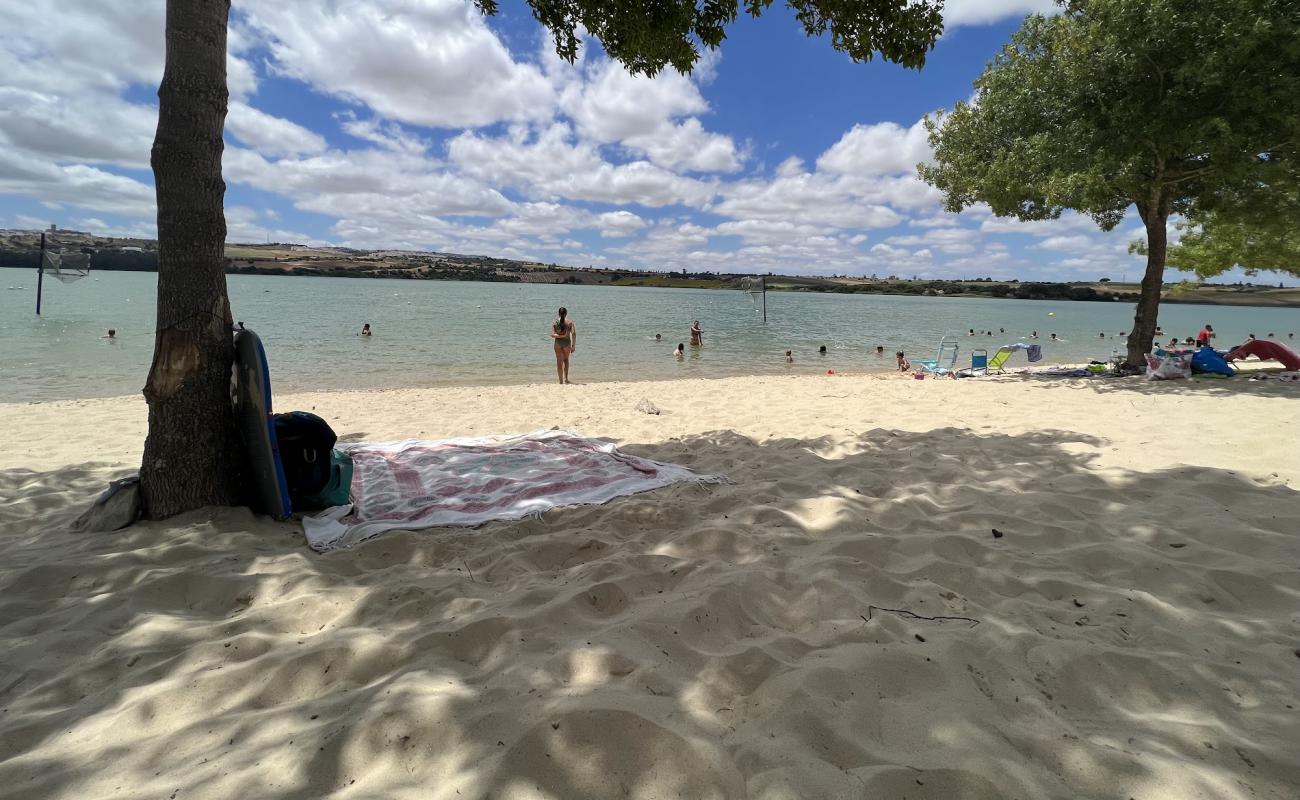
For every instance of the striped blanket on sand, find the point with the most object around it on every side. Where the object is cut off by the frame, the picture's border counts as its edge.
(467, 482)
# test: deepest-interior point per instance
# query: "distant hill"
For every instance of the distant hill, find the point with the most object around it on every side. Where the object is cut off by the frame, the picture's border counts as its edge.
(20, 248)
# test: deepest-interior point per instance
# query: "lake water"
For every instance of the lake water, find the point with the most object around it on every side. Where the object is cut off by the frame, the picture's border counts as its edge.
(431, 333)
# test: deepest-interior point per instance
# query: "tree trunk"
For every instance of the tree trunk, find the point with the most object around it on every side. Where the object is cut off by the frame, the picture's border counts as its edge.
(1155, 215)
(193, 451)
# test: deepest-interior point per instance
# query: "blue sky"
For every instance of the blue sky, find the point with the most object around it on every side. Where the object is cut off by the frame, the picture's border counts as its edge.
(417, 124)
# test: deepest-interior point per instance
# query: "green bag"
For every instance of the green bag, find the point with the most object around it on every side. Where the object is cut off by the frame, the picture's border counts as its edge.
(337, 490)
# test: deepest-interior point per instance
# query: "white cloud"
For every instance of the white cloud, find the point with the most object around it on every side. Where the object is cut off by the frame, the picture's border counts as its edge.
(388, 135)
(426, 62)
(270, 135)
(881, 149)
(74, 184)
(72, 127)
(614, 224)
(553, 165)
(610, 105)
(982, 12)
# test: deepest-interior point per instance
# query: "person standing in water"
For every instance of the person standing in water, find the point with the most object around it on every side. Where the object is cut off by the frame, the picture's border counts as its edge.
(365, 329)
(565, 334)
(697, 334)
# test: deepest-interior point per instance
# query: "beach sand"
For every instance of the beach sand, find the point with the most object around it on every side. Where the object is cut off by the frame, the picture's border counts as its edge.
(1122, 558)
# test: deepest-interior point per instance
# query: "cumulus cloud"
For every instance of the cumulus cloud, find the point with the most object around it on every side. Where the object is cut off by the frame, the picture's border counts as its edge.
(610, 105)
(426, 62)
(271, 135)
(881, 149)
(983, 12)
(556, 165)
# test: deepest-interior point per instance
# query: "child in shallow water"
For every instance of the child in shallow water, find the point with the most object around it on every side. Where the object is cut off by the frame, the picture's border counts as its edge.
(680, 351)
(789, 357)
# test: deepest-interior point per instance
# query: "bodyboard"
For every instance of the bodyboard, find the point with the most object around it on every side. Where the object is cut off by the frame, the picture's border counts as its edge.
(252, 399)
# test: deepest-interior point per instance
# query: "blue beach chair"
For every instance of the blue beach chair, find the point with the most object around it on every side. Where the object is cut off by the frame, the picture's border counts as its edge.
(944, 360)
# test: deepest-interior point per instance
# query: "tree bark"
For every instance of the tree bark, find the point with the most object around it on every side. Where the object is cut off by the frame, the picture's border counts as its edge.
(193, 451)
(1155, 216)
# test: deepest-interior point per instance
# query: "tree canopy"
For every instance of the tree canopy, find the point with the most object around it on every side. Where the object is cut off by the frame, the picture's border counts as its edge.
(1257, 230)
(645, 37)
(1170, 106)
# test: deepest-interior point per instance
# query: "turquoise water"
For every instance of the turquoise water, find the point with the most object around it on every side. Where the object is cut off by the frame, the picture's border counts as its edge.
(431, 333)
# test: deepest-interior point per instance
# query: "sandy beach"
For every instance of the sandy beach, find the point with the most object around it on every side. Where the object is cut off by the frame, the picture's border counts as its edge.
(1119, 562)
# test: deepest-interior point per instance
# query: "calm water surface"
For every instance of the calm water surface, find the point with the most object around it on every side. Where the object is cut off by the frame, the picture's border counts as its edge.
(432, 333)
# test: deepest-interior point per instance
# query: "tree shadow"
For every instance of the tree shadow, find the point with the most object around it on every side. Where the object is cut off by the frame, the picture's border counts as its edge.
(1242, 384)
(1134, 637)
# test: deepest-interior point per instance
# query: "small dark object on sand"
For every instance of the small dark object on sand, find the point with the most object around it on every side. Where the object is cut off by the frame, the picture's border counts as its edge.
(997, 534)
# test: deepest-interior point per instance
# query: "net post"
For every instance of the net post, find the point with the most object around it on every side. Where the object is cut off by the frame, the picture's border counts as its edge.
(40, 274)
(764, 302)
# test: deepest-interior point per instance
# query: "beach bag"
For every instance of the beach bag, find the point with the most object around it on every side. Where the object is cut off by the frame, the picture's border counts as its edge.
(306, 443)
(1169, 367)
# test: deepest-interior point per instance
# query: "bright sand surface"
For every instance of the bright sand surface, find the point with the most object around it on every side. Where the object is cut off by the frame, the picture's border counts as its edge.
(1133, 632)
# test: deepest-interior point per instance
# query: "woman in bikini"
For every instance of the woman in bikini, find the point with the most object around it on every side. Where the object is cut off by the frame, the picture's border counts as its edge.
(697, 334)
(565, 334)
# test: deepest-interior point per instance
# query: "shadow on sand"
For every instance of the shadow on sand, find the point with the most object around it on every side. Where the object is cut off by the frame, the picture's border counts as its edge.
(1134, 638)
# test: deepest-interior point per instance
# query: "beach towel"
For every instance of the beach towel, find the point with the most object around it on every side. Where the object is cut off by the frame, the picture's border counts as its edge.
(467, 482)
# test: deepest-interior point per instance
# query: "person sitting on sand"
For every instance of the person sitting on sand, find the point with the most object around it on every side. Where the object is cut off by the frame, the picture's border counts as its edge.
(697, 334)
(680, 351)
(903, 364)
(789, 357)
(565, 335)
(365, 329)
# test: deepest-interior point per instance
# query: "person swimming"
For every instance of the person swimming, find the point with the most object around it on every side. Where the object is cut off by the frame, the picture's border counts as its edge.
(365, 329)
(971, 332)
(659, 337)
(822, 350)
(1053, 337)
(112, 334)
(880, 349)
(1033, 335)
(697, 334)
(565, 335)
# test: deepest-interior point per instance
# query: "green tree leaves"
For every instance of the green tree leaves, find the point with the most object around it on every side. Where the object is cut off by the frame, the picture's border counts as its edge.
(647, 36)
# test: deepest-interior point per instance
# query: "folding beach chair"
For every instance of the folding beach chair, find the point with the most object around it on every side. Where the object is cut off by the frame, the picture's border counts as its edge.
(944, 360)
(999, 359)
(979, 360)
